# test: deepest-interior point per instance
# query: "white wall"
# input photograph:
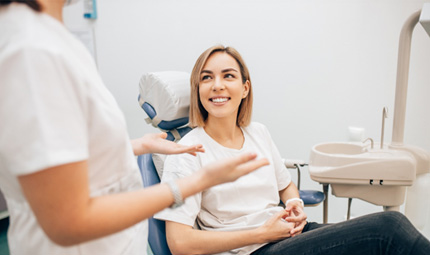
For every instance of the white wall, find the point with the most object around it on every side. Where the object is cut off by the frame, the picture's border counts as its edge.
(317, 66)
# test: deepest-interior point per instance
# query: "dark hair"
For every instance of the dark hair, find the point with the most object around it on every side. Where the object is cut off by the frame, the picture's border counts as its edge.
(33, 4)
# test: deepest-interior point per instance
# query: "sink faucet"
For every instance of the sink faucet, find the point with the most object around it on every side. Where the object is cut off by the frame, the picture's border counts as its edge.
(371, 142)
(384, 116)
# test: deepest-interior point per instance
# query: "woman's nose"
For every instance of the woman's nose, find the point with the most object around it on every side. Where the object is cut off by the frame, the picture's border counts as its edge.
(218, 84)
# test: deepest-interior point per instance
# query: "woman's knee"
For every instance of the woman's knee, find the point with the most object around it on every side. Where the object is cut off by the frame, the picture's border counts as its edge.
(396, 225)
(385, 222)
(393, 217)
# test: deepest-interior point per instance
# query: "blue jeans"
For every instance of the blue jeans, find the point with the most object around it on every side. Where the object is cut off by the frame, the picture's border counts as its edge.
(379, 233)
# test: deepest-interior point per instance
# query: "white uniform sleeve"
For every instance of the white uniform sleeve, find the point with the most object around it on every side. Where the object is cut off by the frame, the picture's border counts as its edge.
(42, 111)
(283, 175)
(178, 166)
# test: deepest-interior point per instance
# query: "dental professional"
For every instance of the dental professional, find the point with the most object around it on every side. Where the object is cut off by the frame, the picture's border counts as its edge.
(67, 166)
(244, 217)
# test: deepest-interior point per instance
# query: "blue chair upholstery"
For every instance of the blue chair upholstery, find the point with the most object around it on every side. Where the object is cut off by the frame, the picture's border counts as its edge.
(311, 197)
(157, 228)
(175, 129)
(164, 125)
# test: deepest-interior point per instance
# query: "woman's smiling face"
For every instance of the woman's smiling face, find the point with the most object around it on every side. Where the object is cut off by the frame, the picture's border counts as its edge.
(221, 89)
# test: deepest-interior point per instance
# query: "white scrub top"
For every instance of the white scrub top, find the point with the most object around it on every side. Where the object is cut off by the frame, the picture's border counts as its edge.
(55, 109)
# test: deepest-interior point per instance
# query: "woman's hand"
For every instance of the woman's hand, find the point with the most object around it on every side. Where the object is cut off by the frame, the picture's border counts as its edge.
(229, 170)
(277, 228)
(296, 216)
(157, 143)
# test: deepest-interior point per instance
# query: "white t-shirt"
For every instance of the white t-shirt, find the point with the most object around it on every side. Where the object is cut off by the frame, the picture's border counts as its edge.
(244, 204)
(54, 110)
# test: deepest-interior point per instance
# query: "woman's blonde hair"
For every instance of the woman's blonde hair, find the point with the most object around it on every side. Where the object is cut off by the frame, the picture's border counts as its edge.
(198, 113)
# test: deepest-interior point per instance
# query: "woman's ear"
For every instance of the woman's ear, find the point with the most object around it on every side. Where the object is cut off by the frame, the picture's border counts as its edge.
(245, 89)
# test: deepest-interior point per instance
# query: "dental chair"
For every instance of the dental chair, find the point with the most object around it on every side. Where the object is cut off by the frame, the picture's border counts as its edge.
(165, 96)
(156, 228)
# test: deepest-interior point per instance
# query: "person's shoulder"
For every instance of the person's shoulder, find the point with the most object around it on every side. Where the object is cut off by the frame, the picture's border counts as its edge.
(256, 127)
(25, 31)
(184, 164)
(192, 137)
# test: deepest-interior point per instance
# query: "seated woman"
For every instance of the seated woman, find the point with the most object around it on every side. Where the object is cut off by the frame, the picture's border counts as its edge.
(244, 217)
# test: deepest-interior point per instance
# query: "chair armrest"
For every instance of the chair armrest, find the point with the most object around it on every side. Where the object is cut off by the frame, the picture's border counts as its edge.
(293, 163)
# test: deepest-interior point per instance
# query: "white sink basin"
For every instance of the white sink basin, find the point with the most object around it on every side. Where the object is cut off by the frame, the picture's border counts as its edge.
(378, 176)
(340, 148)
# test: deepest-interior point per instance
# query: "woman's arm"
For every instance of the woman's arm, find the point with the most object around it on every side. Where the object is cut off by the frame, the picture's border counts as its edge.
(157, 143)
(60, 198)
(289, 192)
(183, 239)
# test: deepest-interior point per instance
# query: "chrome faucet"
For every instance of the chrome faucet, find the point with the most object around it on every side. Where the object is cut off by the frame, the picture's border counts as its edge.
(384, 116)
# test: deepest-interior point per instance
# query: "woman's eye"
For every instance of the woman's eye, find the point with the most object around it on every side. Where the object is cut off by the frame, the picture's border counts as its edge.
(229, 75)
(205, 77)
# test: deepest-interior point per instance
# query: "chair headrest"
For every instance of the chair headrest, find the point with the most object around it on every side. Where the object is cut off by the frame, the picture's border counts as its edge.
(165, 97)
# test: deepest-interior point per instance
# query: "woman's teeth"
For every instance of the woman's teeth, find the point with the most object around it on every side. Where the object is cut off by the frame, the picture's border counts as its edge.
(219, 100)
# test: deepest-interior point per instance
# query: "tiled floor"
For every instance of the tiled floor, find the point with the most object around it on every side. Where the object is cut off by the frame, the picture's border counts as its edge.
(4, 224)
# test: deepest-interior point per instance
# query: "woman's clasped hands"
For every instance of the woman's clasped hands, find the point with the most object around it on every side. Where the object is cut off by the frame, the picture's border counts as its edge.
(286, 223)
(297, 216)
